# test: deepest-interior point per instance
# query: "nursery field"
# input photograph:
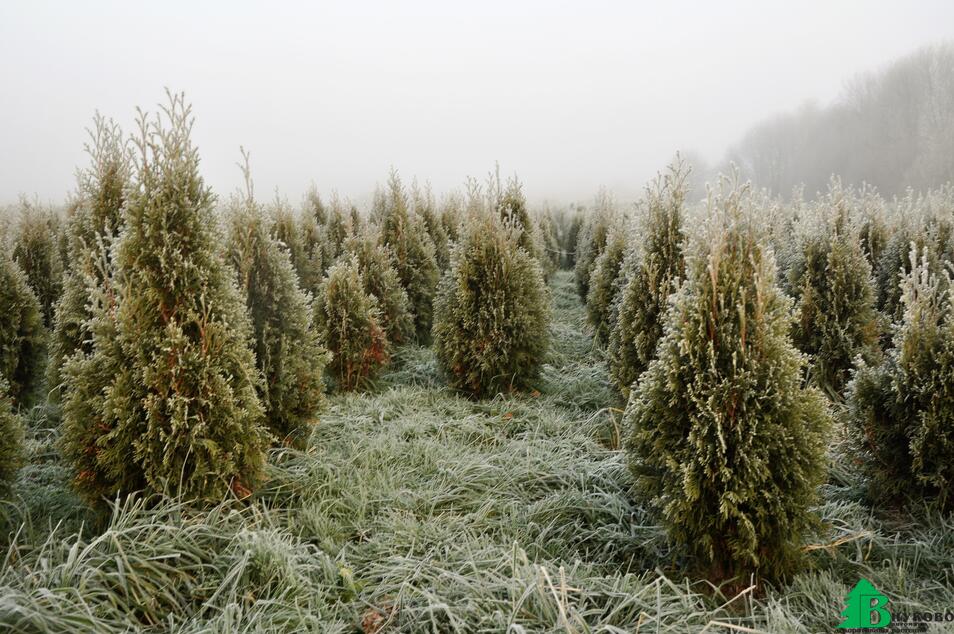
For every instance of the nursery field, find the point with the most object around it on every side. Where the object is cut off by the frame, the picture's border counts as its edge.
(411, 508)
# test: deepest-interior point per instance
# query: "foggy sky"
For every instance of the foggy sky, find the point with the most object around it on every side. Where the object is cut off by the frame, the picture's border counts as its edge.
(570, 96)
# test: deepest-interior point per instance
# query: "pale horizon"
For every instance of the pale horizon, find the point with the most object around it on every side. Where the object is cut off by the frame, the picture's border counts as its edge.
(571, 97)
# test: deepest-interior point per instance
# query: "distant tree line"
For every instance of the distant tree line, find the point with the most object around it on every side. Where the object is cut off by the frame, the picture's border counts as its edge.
(893, 129)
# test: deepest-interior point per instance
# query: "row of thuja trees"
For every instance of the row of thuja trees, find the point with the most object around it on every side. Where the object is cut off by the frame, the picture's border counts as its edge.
(736, 329)
(181, 338)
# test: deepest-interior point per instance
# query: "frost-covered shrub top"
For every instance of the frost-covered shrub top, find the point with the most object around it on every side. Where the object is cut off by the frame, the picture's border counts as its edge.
(903, 408)
(492, 312)
(91, 230)
(724, 442)
(288, 350)
(654, 270)
(405, 233)
(166, 401)
(380, 278)
(350, 321)
(830, 277)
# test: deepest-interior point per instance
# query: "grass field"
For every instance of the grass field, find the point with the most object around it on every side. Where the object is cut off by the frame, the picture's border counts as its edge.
(414, 509)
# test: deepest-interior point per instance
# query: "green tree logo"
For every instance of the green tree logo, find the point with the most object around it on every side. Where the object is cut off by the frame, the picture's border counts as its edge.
(865, 608)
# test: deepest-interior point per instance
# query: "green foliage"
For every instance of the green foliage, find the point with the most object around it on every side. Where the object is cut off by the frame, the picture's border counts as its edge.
(426, 210)
(512, 207)
(380, 279)
(452, 216)
(335, 230)
(549, 242)
(22, 338)
(570, 238)
(926, 222)
(491, 328)
(350, 320)
(835, 316)
(604, 286)
(93, 226)
(36, 251)
(288, 352)
(903, 409)
(414, 254)
(592, 240)
(655, 271)
(284, 227)
(11, 439)
(167, 398)
(725, 443)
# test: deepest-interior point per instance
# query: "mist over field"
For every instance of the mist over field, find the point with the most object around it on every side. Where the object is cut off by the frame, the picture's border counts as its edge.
(570, 96)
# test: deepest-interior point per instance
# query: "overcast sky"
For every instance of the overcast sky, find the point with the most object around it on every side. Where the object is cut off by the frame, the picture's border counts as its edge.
(569, 95)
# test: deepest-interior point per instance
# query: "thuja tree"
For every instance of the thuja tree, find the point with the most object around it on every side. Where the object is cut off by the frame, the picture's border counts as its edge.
(835, 316)
(725, 443)
(549, 242)
(350, 321)
(22, 338)
(313, 262)
(36, 251)
(491, 326)
(570, 238)
(903, 408)
(288, 351)
(336, 229)
(380, 279)
(426, 209)
(592, 240)
(512, 207)
(93, 226)
(657, 269)
(414, 255)
(284, 227)
(451, 218)
(604, 284)
(926, 222)
(11, 439)
(167, 398)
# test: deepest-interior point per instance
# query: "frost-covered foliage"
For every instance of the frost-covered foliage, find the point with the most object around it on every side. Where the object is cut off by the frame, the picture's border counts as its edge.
(336, 229)
(724, 442)
(551, 250)
(927, 222)
(426, 209)
(570, 236)
(512, 206)
(903, 409)
(592, 240)
(452, 215)
(36, 252)
(380, 279)
(167, 398)
(654, 272)
(11, 439)
(288, 351)
(92, 228)
(406, 235)
(830, 278)
(22, 338)
(350, 321)
(604, 284)
(491, 327)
